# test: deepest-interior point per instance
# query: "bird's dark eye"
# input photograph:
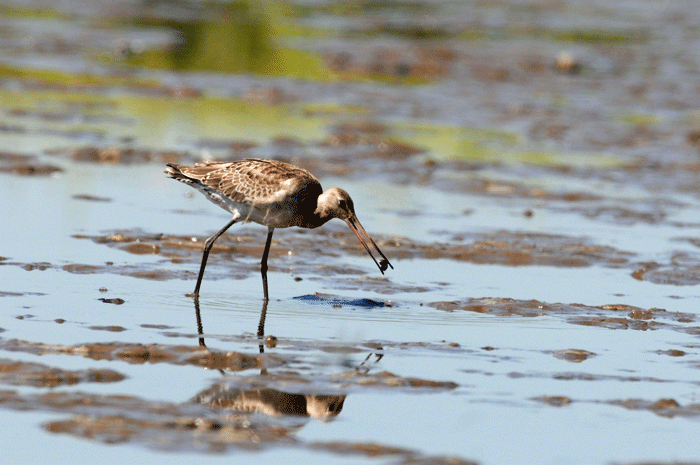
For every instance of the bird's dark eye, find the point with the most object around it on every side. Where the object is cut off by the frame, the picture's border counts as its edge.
(342, 204)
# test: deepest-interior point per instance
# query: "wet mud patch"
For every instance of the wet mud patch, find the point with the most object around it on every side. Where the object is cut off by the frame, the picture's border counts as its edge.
(388, 158)
(573, 355)
(241, 253)
(25, 165)
(112, 329)
(360, 379)
(386, 379)
(684, 270)
(193, 427)
(667, 407)
(164, 426)
(590, 377)
(141, 353)
(616, 316)
(18, 294)
(39, 375)
(135, 271)
(176, 434)
(672, 352)
(646, 213)
(483, 185)
(117, 156)
(554, 401)
(91, 198)
(114, 301)
(31, 169)
(249, 412)
(646, 185)
(515, 249)
(311, 247)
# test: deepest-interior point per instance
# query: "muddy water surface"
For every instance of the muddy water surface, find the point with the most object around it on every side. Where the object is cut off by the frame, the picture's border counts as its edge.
(530, 170)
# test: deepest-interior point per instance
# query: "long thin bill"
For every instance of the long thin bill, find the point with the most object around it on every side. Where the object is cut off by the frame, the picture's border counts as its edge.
(359, 231)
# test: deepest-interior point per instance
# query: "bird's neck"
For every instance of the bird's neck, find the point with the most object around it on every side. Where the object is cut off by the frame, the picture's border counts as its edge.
(321, 215)
(319, 218)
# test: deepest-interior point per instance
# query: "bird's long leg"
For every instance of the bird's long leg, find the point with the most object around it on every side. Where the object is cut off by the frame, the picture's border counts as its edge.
(200, 328)
(261, 327)
(207, 247)
(263, 263)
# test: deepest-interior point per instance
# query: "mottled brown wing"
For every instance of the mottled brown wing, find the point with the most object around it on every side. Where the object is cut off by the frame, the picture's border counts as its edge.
(250, 180)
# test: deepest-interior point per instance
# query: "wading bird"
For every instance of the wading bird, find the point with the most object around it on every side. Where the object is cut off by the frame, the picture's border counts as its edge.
(271, 193)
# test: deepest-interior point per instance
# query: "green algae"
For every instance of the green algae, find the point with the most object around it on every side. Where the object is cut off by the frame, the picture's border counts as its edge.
(491, 146)
(362, 7)
(37, 13)
(239, 38)
(55, 78)
(153, 121)
(638, 119)
(594, 36)
(261, 38)
(218, 118)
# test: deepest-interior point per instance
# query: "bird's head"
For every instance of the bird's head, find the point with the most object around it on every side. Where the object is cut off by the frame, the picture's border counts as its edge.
(336, 203)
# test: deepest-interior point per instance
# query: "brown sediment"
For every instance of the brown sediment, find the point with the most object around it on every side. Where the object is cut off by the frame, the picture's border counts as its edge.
(178, 427)
(554, 401)
(161, 425)
(665, 407)
(39, 375)
(588, 377)
(18, 294)
(115, 301)
(91, 198)
(141, 248)
(507, 248)
(672, 352)
(172, 435)
(116, 155)
(81, 269)
(31, 169)
(140, 353)
(135, 271)
(236, 147)
(113, 329)
(201, 425)
(573, 355)
(515, 249)
(155, 326)
(500, 247)
(40, 266)
(424, 62)
(400, 455)
(386, 379)
(676, 274)
(614, 316)
(25, 165)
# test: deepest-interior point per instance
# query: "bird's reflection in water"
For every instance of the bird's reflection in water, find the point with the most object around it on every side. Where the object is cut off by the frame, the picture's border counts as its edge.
(272, 402)
(267, 401)
(261, 324)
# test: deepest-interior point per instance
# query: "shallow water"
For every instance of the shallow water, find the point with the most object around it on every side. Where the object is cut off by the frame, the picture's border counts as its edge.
(541, 217)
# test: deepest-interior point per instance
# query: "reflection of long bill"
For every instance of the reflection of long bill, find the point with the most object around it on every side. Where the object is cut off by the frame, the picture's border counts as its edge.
(357, 228)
